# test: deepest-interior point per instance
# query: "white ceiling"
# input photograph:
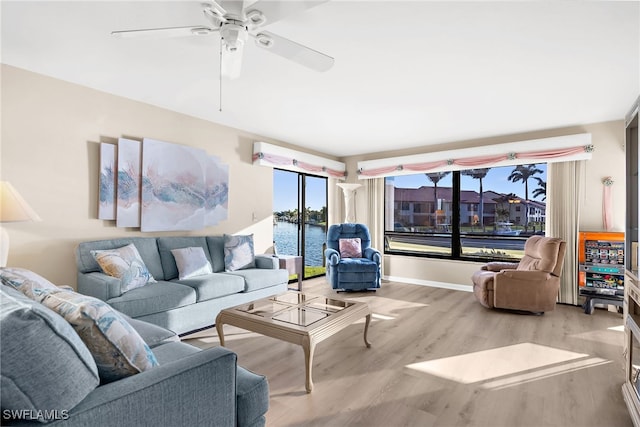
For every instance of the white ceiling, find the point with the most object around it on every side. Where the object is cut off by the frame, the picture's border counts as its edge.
(406, 73)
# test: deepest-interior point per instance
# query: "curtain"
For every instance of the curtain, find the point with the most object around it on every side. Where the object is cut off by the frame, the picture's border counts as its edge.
(555, 149)
(336, 202)
(563, 219)
(374, 190)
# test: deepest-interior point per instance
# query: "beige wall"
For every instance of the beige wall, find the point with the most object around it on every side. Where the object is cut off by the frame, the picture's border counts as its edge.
(608, 160)
(50, 152)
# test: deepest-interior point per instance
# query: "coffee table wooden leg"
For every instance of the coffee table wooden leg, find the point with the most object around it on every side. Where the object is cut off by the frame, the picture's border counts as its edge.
(366, 331)
(220, 332)
(308, 346)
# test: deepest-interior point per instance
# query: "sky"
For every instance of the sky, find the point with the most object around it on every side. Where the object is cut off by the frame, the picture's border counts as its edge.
(285, 186)
(285, 191)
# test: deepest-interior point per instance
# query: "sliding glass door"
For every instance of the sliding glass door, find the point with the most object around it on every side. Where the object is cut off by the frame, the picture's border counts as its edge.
(300, 218)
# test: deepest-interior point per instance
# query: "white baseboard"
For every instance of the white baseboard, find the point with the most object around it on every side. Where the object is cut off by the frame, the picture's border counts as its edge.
(433, 284)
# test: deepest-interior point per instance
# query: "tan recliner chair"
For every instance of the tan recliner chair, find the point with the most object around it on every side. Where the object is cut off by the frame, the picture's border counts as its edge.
(530, 285)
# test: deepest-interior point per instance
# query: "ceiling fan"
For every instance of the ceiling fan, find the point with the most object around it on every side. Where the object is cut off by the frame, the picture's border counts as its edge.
(236, 24)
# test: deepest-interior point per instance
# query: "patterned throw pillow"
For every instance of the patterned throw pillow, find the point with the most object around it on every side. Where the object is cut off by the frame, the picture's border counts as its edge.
(191, 262)
(238, 252)
(25, 281)
(126, 264)
(116, 347)
(350, 248)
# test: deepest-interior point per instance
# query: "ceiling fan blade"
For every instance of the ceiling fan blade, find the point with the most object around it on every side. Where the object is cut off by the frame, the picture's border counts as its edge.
(233, 8)
(231, 62)
(164, 32)
(294, 51)
(214, 13)
(274, 11)
(214, 7)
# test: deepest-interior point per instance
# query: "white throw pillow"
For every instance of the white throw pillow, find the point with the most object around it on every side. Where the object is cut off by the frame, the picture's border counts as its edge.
(191, 262)
(126, 264)
(238, 252)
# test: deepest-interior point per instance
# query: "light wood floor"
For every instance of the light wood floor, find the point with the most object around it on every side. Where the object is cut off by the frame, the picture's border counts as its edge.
(438, 358)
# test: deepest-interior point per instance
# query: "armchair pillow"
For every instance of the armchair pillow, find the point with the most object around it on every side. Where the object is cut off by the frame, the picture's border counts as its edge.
(126, 264)
(116, 347)
(238, 252)
(350, 248)
(191, 262)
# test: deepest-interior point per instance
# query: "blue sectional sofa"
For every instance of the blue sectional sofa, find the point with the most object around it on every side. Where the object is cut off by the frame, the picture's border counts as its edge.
(179, 305)
(48, 374)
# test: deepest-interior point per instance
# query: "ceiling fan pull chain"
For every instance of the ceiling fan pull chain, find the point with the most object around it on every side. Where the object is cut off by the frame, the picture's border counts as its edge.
(220, 78)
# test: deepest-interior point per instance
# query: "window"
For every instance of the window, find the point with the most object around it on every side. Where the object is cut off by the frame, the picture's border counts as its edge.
(300, 218)
(476, 214)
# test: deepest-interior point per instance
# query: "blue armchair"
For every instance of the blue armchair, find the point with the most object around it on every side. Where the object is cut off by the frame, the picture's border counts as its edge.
(358, 272)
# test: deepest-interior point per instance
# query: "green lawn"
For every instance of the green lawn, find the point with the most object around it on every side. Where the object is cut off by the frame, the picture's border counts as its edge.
(310, 271)
(479, 251)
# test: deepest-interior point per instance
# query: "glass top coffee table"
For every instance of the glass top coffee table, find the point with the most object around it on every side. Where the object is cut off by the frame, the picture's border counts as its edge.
(298, 318)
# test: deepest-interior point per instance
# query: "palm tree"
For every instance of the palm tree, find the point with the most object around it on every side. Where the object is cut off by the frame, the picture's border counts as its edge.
(541, 190)
(523, 173)
(503, 209)
(478, 174)
(435, 177)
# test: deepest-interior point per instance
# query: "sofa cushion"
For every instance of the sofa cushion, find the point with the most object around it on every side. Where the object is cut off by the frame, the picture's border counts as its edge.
(170, 352)
(160, 297)
(166, 244)
(216, 252)
(117, 348)
(38, 343)
(146, 246)
(191, 262)
(152, 334)
(357, 265)
(214, 285)
(238, 252)
(252, 396)
(255, 278)
(126, 264)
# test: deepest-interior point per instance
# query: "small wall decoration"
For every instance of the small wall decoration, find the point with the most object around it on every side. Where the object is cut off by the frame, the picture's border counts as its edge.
(107, 193)
(607, 204)
(128, 205)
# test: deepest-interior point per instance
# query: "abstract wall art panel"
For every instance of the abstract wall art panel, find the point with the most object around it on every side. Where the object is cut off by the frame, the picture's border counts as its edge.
(174, 194)
(107, 192)
(217, 183)
(129, 157)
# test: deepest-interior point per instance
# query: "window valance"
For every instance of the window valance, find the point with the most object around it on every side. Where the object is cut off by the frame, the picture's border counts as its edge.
(284, 158)
(545, 150)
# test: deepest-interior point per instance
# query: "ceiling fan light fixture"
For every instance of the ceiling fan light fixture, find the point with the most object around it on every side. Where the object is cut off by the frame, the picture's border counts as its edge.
(256, 18)
(234, 36)
(264, 40)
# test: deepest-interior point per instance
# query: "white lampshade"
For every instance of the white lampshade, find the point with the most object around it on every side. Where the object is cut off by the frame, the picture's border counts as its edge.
(349, 191)
(13, 208)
